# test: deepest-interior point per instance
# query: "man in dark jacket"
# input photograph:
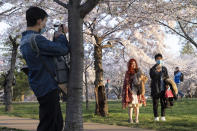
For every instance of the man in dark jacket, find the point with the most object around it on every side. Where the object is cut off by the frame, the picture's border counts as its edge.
(157, 74)
(41, 81)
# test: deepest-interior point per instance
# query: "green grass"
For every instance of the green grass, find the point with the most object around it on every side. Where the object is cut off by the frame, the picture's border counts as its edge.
(181, 117)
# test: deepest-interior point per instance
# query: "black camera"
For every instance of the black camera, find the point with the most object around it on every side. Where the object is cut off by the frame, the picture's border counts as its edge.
(56, 26)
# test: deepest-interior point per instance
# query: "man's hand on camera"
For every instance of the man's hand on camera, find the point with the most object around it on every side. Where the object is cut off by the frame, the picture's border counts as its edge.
(62, 28)
(57, 34)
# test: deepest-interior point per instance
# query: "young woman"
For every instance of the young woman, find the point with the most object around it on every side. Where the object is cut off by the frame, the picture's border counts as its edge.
(133, 90)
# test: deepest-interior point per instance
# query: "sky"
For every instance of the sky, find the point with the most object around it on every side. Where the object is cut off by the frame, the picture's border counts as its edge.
(173, 46)
(3, 27)
(172, 41)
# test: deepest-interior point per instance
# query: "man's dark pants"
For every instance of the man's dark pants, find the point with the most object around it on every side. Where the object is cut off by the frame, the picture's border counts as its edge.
(50, 112)
(156, 103)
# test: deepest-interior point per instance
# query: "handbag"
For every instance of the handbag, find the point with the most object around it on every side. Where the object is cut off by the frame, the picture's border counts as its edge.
(168, 93)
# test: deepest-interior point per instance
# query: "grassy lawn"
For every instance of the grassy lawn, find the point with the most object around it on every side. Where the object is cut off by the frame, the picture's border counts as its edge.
(182, 117)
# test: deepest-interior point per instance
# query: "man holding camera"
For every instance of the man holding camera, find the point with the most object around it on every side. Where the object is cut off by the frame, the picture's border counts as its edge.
(41, 82)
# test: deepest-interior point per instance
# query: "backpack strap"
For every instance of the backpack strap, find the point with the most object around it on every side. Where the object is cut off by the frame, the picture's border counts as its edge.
(35, 48)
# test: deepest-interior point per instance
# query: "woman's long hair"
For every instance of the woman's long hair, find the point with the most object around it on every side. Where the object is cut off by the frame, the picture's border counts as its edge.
(130, 69)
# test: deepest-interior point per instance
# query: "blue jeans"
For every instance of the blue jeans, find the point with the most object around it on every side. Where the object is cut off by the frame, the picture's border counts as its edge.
(179, 92)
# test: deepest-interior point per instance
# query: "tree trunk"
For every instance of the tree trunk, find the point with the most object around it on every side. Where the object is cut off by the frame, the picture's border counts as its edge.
(22, 97)
(100, 95)
(86, 86)
(74, 120)
(120, 93)
(10, 79)
(119, 96)
(76, 14)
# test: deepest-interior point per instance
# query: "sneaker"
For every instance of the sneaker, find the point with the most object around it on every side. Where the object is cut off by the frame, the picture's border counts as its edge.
(156, 118)
(130, 121)
(163, 118)
(136, 121)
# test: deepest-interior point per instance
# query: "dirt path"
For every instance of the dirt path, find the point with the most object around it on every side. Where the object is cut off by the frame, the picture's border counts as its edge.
(31, 125)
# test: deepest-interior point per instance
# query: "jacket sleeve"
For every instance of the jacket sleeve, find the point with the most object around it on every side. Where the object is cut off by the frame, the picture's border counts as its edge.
(50, 48)
(166, 73)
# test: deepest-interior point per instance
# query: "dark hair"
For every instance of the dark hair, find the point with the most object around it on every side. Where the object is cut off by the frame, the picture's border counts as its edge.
(177, 68)
(158, 55)
(33, 14)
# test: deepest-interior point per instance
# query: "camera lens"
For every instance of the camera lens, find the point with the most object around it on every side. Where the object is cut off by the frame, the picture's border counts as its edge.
(55, 25)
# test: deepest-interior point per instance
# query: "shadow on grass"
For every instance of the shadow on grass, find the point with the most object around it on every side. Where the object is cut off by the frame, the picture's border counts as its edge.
(9, 129)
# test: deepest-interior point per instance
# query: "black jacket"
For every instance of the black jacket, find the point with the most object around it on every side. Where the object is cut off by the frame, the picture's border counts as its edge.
(156, 80)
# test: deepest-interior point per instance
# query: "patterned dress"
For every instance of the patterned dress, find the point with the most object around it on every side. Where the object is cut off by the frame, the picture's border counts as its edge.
(130, 97)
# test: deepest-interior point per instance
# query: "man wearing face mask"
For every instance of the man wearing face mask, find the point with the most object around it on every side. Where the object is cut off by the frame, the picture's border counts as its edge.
(41, 82)
(157, 74)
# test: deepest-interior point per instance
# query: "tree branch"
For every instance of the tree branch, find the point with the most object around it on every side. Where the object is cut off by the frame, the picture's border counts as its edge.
(14, 40)
(87, 33)
(116, 28)
(52, 9)
(61, 3)
(90, 42)
(186, 35)
(111, 32)
(115, 90)
(87, 7)
(131, 2)
(186, 21)
(11, 10)
(87, 66)
(107, 46)
(171, 29)
(7, 10)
